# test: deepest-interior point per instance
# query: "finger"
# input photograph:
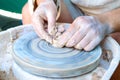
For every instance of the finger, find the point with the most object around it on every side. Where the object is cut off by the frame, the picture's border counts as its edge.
(38, 22)
(62, 40)
(61, 28)
(93, 44)
(51, 22)
(86, 40)
(77, 37)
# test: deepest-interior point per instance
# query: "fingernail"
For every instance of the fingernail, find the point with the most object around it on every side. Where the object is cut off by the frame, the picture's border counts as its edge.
(56, 43)
(78, 47)
(71, 43)
(48, 39)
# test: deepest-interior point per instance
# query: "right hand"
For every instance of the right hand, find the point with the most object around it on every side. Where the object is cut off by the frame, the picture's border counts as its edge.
(45, 12)
(86, 32)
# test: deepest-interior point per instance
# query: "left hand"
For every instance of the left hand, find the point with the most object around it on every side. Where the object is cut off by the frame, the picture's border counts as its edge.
(86, 32)
(45, 14)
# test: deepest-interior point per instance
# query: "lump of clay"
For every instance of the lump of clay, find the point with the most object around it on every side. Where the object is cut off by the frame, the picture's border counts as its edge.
(61, 28)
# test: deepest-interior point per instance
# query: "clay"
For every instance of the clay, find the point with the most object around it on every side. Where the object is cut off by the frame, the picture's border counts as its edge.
(38, 57)
(9, 36)
(60, 28)
(5, 76)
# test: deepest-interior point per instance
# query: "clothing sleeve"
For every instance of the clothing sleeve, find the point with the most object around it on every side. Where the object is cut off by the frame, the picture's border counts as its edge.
(95, 7)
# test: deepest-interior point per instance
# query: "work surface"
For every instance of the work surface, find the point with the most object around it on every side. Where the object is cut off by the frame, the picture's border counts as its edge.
(116, 74)
(36, 56)
(104, 71)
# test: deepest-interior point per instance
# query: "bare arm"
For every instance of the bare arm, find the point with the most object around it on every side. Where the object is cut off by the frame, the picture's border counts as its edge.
(65, 16)
(112, 18)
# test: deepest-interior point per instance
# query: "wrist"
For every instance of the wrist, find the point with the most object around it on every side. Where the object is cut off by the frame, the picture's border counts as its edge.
(38, 2)
(104, 20)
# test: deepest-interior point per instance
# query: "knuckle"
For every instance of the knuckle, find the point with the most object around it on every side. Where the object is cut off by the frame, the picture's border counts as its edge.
(89, 47)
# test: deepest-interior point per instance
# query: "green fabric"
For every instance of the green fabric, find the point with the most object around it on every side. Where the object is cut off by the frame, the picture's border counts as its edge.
(7, 22)
(12, 5)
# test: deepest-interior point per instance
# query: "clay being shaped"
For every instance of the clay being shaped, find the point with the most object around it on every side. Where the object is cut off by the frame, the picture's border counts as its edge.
(60, 31)
(40, 58)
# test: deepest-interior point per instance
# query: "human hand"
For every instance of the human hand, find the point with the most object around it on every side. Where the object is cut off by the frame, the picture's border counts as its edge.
(86, 32)
(44, 14)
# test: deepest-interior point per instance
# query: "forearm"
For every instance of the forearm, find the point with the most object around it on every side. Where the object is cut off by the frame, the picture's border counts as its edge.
(111, 18)
(41, 1)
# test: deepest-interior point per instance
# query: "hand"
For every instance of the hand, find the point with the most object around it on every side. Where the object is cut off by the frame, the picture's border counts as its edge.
(44, 14)
(86, 32)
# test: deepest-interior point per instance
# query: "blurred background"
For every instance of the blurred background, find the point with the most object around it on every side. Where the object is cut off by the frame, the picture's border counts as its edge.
(10, 13)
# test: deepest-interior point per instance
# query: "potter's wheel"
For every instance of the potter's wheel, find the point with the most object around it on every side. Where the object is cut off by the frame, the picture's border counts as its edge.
(40, 58)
